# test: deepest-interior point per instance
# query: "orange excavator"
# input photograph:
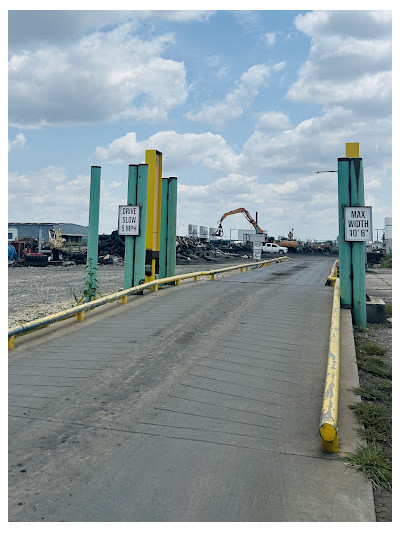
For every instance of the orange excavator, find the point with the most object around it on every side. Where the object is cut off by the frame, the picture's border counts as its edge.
(290, 242)
(219, 232)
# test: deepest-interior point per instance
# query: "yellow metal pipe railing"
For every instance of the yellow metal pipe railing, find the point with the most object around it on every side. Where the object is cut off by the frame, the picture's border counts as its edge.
(329, 414)
(79, 310)
(334, 272)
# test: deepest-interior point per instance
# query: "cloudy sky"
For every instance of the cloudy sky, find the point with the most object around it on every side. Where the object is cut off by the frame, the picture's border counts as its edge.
(246, 107)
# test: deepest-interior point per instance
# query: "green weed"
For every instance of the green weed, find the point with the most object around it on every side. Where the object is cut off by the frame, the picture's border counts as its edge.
(375, 365)
(377, 389)
(374, 462)
(376, 419)
(386, 261)
(370, 348)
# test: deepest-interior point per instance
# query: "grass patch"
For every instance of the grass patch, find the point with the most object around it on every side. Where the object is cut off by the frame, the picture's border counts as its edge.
(360, 329)
(376, 419)
(370, 348)
(389, 310)
(374, 414)
(374, 462)
(386, 261)
(377, 389)
(375, 365)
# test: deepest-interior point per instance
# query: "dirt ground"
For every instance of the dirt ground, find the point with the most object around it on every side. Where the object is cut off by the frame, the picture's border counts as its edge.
(34, 292)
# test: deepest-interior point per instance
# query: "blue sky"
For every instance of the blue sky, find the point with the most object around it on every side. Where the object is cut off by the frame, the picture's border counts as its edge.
(246, 107)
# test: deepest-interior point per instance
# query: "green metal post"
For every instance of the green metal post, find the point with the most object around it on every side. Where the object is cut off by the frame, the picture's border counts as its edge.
(171, 229)
(358, 248)
(93, 235)
(130, 239)
(140, 243)
(163, 228)
(346, 292)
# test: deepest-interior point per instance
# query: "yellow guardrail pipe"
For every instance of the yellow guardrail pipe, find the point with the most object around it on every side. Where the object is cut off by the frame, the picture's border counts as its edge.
(329, 414)
(79, 310)
(334, 272)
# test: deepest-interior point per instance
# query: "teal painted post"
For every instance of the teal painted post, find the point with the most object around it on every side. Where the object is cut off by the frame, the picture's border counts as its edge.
(140, 242)
(358, 247)
(93, 235)
(171, 229)
(130, 239)
(163, 229)
(346, 292)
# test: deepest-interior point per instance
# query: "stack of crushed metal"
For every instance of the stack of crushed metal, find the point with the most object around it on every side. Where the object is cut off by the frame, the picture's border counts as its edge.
(189, 250)
(194, 250)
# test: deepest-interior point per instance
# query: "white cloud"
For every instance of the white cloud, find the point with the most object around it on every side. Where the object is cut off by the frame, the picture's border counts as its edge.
(270, 38)
(349, 61)
(119, 75)
(273, 121)
(236, 101)
(297, 202)
(52, 191)
(34, 28)
(178, 15)
(182, 150)
(17, 143)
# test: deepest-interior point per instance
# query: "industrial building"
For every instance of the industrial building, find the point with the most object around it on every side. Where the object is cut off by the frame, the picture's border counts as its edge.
(34, 230)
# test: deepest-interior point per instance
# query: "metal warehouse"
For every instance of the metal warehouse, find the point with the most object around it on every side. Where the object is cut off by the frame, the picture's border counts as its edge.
(70, 232)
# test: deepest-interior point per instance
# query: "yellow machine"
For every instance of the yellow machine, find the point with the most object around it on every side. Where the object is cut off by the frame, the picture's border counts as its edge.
(56, 242)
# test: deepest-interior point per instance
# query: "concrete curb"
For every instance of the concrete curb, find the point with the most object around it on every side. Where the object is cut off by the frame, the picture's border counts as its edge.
(349, 438)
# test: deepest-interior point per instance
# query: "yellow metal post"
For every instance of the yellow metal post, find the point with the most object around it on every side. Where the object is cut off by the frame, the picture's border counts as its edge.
(11, 341)
(352, 149)
(154, 162)
(178, 282)
(124, 299)
(80, 317)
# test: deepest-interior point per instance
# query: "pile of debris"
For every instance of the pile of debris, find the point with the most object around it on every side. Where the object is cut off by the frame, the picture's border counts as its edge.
(194, 250)
(326, 248)
(189, 250)
(109, 246)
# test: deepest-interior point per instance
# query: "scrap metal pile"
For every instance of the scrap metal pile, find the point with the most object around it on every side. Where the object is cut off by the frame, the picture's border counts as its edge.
(188, 250)
(194, 250)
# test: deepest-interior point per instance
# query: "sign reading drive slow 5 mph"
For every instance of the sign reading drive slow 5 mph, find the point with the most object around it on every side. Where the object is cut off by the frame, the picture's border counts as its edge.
(358, 223)
(128, 220)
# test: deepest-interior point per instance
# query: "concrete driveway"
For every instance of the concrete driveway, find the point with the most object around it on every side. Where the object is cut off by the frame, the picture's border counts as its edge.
(196, 403)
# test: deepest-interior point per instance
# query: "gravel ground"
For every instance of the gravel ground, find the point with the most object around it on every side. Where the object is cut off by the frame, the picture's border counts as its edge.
(379, 285)
(34, 292)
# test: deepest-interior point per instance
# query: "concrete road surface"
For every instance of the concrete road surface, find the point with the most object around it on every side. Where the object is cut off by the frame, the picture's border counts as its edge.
(196, 403)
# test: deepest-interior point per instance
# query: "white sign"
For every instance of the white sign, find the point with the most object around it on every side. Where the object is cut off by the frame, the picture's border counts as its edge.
(257, 254)
(257, 238)
(128, 220)
(257, 249)
(358, 223)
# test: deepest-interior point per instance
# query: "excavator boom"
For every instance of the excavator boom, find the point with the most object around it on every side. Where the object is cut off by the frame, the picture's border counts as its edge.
(219, 232)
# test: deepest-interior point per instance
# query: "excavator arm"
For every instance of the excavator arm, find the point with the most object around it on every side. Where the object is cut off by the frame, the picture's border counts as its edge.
(220, 231)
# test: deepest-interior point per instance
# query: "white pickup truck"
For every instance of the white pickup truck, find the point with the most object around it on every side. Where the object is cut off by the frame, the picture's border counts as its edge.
(273, 248)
